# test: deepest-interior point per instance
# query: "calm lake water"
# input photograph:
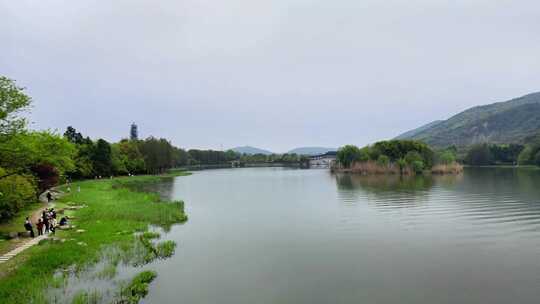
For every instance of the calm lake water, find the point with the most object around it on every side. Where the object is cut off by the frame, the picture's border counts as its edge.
(275, 235)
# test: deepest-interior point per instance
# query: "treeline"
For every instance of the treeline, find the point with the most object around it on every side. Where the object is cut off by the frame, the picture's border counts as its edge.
(102, 159)
(30, 161)
(397, 157)
(493, 154)
(510, 154)
(212, 157)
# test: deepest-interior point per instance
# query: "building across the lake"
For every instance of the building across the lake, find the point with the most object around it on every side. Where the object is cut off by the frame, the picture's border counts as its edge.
(323, 160)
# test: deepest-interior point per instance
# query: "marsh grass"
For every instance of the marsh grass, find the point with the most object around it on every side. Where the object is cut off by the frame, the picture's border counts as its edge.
(137, 288)
(113, 214)
(453, 168)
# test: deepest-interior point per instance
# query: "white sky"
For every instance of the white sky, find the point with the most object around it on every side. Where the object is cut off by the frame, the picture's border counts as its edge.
(273, 74)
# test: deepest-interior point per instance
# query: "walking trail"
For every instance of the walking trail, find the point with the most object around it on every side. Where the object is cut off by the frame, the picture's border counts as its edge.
(31, 241)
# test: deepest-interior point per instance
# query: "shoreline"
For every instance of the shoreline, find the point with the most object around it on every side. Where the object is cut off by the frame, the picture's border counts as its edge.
(106, 212)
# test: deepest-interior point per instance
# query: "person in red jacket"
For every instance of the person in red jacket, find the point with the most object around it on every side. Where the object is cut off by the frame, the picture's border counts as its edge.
(40, 226)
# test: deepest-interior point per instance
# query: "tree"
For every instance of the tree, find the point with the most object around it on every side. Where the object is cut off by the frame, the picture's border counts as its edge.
(479, 155)
(418, 166)
(348, 154)
(412, 157)
(397, 149)
(447, 157)
(383, 160)
(73, 136)
(132, 157)
(16, 191)
(25, 150)
(525, 156)
(47, 176)
(12, 102)
(102, 158)
(537, 158)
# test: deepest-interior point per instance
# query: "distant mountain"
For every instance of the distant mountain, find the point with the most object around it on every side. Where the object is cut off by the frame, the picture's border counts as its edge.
(416, 131)
(503, 122)
(311, 150)
(251, 150)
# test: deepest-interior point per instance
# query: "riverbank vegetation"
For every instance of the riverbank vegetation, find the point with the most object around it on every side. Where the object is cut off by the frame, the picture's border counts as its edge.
(111, 213)
(404, 157)
(493, 154)
(507, 154)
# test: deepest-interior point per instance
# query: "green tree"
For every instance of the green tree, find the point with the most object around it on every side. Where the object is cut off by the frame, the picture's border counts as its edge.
(12, 102)
(24, 150)
(16, 191)
(525, 156)
(479, 155)
(348, 154)
(418, 166)
(383, 160)
(537, 158)
(412, 157)
(447, 157)
(102, 158)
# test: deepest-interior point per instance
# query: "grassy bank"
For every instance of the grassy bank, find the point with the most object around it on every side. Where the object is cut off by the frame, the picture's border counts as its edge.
(111, 213)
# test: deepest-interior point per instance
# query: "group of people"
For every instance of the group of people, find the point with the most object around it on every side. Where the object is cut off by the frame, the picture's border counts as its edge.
(46, 224)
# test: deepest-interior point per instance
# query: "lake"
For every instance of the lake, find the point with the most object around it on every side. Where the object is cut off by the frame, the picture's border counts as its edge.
(277, 235)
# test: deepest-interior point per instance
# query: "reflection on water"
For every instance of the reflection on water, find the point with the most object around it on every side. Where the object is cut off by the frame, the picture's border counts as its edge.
(271, 235)
(385, 190)
(107, 280)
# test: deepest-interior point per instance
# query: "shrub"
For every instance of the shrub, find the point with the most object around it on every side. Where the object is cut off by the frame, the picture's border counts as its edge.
(16, 191)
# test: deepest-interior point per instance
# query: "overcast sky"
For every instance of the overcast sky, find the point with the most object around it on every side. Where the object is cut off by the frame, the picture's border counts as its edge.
(275, 74)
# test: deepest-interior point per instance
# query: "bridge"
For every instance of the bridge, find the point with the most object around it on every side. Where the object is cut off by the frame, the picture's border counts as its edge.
(323, 160)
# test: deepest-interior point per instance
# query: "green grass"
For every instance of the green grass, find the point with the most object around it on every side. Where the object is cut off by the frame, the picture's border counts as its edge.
(138, 288)
(113, 214)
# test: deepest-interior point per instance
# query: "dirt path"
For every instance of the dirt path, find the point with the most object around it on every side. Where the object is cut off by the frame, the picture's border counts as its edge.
(20, 244)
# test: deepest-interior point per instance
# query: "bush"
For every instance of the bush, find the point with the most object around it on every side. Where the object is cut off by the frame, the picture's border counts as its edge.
(16, 192)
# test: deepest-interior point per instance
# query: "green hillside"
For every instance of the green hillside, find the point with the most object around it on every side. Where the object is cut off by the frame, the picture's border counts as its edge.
(503, 122)
(412, 133)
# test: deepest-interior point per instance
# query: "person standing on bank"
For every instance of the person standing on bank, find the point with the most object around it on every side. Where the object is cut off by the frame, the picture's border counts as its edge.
(52, 225)
(28, 227)
(39, 226)
(46, 221)
(49, 196)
